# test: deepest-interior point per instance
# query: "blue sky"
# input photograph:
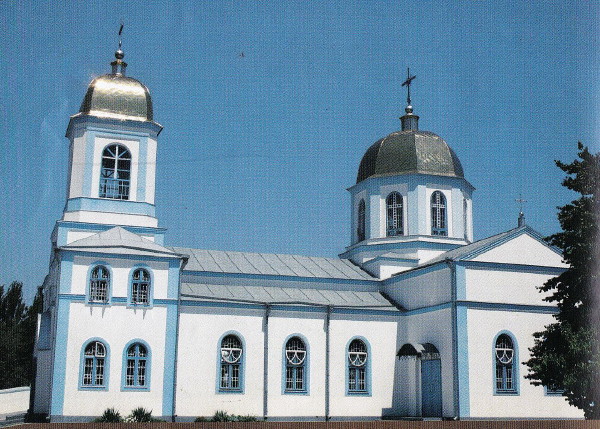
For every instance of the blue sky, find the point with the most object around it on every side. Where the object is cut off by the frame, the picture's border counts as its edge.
(257, 151)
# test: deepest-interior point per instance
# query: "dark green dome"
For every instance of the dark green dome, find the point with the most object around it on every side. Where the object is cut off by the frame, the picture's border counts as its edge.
(409, 152)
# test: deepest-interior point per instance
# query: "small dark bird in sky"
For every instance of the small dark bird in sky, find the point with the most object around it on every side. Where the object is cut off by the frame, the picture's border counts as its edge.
(242, 55)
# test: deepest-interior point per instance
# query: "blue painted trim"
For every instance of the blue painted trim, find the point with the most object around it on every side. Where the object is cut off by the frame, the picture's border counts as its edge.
(169, 358)
(135, 257)
(142, 166)
(460, 282)
(306, 365)
(66, 273)
(103, 387)
(368, 366)
(110, 205)
(544, 309)
(548, 392)
(464, 398)
(242, 373)
(496, 266)
(516, 363)
(145, 388)
(89, 279)
(85, 226)
(88, 169)
(59, 369)
(272, 277)
(407, 242)
(173, 283)
(130, 302)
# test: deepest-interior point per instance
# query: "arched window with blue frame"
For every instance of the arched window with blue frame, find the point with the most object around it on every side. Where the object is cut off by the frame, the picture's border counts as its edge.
(141, 284)
(357, 365)
(296, 356)
(506, 362)
(394, 209)
(136, 370)
(115, 173)
(231, 355)
(99, 285)
(94, 365)
(439, 222)
(362, 220)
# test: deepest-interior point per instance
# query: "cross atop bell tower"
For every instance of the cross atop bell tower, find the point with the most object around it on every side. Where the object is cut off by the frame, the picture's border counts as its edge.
(409, 121)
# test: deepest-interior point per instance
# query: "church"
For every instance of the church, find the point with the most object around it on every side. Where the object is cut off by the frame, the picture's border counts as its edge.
(414, 319)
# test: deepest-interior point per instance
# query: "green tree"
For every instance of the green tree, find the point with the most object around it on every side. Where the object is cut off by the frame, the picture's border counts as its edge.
(18, 324)
(566, 355)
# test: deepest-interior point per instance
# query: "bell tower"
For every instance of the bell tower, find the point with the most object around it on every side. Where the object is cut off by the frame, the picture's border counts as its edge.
(112, 159)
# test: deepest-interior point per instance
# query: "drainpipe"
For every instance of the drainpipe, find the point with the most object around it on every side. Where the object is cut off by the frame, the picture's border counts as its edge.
(181, 267)
(327, 318)
(452, 266)
(266, 362)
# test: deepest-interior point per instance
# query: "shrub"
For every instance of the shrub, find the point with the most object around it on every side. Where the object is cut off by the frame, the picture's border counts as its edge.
(141, 415)
(110, 415)
(224, 416)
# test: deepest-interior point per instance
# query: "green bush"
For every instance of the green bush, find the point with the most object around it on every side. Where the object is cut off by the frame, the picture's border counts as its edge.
(141, 415)
(224, 416)
(110, 415)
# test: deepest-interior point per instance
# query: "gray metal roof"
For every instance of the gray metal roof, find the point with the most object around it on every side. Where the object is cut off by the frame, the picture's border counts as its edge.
(270, 264)
(406, 152)
(284, 296)
(120, 241)
(473, 249)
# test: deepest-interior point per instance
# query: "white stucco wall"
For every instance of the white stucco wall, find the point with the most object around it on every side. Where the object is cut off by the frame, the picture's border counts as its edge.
(505, 286)
(14, 401)
(420, 288)
(483, 326)
(523, 250)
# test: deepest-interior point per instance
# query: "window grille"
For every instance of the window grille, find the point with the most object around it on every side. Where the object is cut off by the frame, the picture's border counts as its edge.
(231, 359)
(438, 214)
(140, 287)
(137, 358)
(505, 374)
(361, 221)
(357, 366)
(115, 173)
(295, 355)
(99, 284)
(93, 366)
(395, 224)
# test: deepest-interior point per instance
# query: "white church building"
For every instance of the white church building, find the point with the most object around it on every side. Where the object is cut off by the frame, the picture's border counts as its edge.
(414, 319)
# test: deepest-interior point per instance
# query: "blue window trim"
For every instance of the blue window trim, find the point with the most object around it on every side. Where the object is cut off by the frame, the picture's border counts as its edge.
(124, 386)
(130, 302)
(516, 381)
(306, 365)
(439, 232)
(242, 376)
(549, 392)
(367, 391)
(88, 300)
(106, 365)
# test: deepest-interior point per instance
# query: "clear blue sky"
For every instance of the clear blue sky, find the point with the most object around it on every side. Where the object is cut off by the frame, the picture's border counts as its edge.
(257, 151)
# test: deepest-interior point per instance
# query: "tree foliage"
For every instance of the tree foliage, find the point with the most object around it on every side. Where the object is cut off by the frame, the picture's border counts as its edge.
(566, 355)
(18, 324)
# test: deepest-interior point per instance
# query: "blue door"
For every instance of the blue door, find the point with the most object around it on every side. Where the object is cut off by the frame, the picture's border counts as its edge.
(431, 388)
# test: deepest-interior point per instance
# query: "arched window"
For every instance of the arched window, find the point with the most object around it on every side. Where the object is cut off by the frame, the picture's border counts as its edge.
(140, 287)
(231, 363)
(438, 214)
(395, 224)
(99, 285)
(137, 368)
(505, 360)
(357, 366)
(360, 232)
(94, 359)
(115, 172)
(295, 365)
